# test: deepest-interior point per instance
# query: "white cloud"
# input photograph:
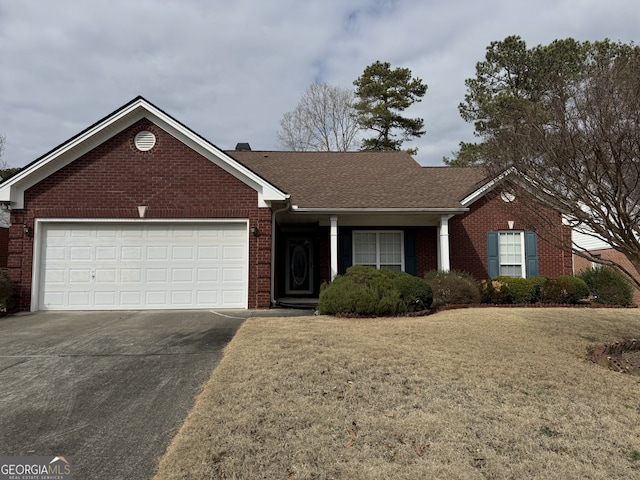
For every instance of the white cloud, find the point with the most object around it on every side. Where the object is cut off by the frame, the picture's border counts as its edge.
(229, 70)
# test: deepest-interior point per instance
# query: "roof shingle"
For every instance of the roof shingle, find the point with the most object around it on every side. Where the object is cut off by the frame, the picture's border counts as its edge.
(368, 179)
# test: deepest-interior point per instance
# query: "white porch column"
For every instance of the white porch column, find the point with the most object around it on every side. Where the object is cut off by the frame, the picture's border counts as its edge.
(444, 261)
(333, 244)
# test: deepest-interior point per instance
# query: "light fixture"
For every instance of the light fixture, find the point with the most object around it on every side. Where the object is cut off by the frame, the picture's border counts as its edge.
(27, 230)
(254, 230)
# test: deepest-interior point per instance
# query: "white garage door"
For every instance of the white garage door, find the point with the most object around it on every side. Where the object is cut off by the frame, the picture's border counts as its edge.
(143, 266)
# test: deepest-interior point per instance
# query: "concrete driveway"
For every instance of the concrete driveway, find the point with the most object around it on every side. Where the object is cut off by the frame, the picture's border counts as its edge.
(107, 389)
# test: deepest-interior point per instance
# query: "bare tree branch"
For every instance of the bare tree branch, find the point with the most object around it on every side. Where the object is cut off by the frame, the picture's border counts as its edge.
(323, 120)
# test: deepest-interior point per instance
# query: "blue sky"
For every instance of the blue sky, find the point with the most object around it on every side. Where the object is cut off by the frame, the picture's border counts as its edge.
(230, 69)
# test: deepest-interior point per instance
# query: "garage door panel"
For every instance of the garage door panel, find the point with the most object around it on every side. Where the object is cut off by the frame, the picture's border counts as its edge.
(131, 253)
(106, 275)
(120, 266)
(79, 253)
(105, 299)
(79, 275)
(56, 253)
(184, 275)
(131, 275)
(79, 299)
(130, 299)
(106, 253)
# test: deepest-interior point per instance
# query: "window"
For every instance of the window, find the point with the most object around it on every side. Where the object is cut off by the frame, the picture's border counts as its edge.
(383, 249)
(512, 253)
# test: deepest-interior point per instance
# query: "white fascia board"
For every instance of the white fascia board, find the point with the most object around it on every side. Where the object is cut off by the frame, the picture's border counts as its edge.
(13, 190)
(343, 211)
(484, 189)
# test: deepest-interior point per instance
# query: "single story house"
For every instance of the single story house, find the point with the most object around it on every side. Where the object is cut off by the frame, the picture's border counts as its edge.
(140, 212)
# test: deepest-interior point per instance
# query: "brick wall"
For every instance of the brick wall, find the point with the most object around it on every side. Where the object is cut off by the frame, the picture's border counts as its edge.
(468, 238)
(172, 180)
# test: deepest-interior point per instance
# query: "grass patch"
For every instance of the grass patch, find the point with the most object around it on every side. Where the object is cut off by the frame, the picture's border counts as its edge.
(463, 394)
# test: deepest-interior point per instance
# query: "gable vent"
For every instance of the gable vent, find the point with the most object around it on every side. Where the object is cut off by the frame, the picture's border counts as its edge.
(144, 140)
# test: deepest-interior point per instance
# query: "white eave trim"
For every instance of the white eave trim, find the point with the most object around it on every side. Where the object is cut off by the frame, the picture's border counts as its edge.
(343, 211)
(484, 189)
(13, 190)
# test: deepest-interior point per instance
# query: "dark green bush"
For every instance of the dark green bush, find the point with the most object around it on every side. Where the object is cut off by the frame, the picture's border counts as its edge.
(6, 289)
(564, 289)
(361, 291)
(415, 292)
(607, 286)
(521, 290)
(452, 288)
(538, 282)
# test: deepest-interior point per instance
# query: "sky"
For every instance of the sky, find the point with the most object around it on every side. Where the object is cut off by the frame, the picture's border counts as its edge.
(230, 69)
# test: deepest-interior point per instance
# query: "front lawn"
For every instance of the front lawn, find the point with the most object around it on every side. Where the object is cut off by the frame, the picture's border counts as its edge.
(501, 393)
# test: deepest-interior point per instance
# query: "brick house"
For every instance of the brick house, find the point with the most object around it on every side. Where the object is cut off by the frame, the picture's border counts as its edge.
(599, 248)
(140, 212)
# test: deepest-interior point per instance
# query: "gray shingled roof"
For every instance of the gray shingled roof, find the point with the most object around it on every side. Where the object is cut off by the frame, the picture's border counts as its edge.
(369, 179)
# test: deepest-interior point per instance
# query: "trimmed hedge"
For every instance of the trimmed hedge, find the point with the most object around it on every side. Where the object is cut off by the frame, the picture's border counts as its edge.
(521, 290)
(452, 288)
(415, 292)
(369, 292)
(564, 289)
(361, 291)
(607, 286)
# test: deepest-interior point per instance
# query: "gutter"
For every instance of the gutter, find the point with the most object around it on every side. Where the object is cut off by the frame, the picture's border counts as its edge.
(344, 211)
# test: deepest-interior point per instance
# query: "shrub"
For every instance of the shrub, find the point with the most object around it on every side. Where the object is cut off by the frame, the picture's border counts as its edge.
(452, 288)
(564, 289)
(361, 291)
(494, 291)
(607, 286)
(415, 292)
(538, 281)
(521, 290)
(6, 289)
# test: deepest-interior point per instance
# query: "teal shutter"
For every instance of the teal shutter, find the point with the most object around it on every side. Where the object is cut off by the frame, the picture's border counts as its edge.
(531, 253)
(410, 260)
(493, 260)
(347, 257)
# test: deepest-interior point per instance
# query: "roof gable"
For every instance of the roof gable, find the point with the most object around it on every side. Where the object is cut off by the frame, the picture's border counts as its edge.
(12, 191)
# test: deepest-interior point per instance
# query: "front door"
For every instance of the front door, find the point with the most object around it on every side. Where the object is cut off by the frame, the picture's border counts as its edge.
(299, 268)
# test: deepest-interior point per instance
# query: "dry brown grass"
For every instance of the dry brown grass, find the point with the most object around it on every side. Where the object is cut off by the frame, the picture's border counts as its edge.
(463, 394)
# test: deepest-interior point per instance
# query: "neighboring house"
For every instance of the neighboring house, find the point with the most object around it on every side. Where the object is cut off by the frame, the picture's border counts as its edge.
(599, 248)
(140, 212)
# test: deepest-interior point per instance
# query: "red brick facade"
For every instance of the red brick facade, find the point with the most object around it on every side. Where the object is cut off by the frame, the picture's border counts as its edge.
(171, 179)
(468, 239)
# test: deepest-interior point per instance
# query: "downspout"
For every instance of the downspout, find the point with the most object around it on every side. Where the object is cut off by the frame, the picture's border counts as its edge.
(273, 248)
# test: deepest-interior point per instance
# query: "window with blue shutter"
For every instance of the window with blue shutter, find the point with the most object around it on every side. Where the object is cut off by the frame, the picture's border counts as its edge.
(346, 256)
(410, 258)
(493, 260)
(510, 253)
(531, 253)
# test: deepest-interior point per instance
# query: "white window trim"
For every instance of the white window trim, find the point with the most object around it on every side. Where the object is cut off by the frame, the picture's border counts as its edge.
(523, 257)
(378, 232)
